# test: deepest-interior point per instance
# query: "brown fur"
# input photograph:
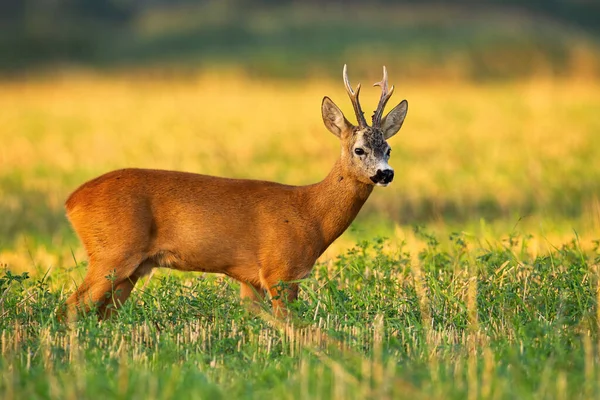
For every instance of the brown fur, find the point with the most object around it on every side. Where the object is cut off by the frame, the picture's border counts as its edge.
(259, 233)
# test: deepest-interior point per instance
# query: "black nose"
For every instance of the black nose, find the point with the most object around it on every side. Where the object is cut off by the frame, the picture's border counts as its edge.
(387, 175)
(383, 176)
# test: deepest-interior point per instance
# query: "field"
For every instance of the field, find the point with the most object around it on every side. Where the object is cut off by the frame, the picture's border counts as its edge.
(474, 275)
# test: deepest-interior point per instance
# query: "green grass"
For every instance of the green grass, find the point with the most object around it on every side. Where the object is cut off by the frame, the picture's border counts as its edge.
(461, 320)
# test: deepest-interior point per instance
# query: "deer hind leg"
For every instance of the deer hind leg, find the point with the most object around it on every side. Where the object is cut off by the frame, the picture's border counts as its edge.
(105, 282)
(117, 296)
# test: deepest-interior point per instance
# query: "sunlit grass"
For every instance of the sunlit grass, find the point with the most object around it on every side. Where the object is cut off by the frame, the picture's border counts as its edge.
(486, 159)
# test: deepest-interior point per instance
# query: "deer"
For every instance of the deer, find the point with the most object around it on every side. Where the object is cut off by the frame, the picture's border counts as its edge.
(266, 235)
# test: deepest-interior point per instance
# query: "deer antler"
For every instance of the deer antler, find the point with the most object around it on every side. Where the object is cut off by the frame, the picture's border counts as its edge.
(360, 116)
(385, 96)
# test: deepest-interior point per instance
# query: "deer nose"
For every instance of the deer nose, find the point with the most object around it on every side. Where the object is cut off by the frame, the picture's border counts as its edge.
(387, 175)
(383, 176)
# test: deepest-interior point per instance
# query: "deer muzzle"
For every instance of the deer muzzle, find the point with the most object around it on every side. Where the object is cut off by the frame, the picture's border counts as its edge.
(383, 177)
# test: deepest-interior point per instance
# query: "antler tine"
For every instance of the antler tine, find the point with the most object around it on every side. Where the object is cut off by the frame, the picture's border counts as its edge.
(385, 96)
(360, 116)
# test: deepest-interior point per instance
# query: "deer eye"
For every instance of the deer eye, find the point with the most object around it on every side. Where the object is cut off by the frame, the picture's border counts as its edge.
(358, 151)
(388, 152)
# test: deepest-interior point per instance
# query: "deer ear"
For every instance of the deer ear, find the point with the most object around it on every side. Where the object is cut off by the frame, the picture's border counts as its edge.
(392, 122)
(333, 117)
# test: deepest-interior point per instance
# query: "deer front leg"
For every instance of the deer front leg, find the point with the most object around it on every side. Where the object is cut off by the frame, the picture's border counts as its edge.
(281, 296)
(251, 296)
(281, 290)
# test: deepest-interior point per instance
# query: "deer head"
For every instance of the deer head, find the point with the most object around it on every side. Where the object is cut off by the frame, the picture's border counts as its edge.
(365, 152)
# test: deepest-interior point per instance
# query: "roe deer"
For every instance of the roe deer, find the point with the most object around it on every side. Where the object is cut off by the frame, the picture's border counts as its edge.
(259, 233)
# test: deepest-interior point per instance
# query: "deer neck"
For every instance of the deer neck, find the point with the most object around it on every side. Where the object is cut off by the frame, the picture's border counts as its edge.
(336, 201)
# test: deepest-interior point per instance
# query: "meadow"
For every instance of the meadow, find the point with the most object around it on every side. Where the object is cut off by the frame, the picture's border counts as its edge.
(474, 275)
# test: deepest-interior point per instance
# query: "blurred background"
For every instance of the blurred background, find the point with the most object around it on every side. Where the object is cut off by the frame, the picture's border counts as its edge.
(502, 135)
(474, 39)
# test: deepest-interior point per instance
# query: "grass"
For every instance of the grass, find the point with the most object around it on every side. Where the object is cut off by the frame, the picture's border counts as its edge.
(470, 321)
(493, 295)
(475, 157)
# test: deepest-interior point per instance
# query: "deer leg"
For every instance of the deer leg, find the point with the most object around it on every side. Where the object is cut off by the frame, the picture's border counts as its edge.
(252, 296)
(281, 292)
(91, 292)
(280, 297)
(118, 295)
(98, 286)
